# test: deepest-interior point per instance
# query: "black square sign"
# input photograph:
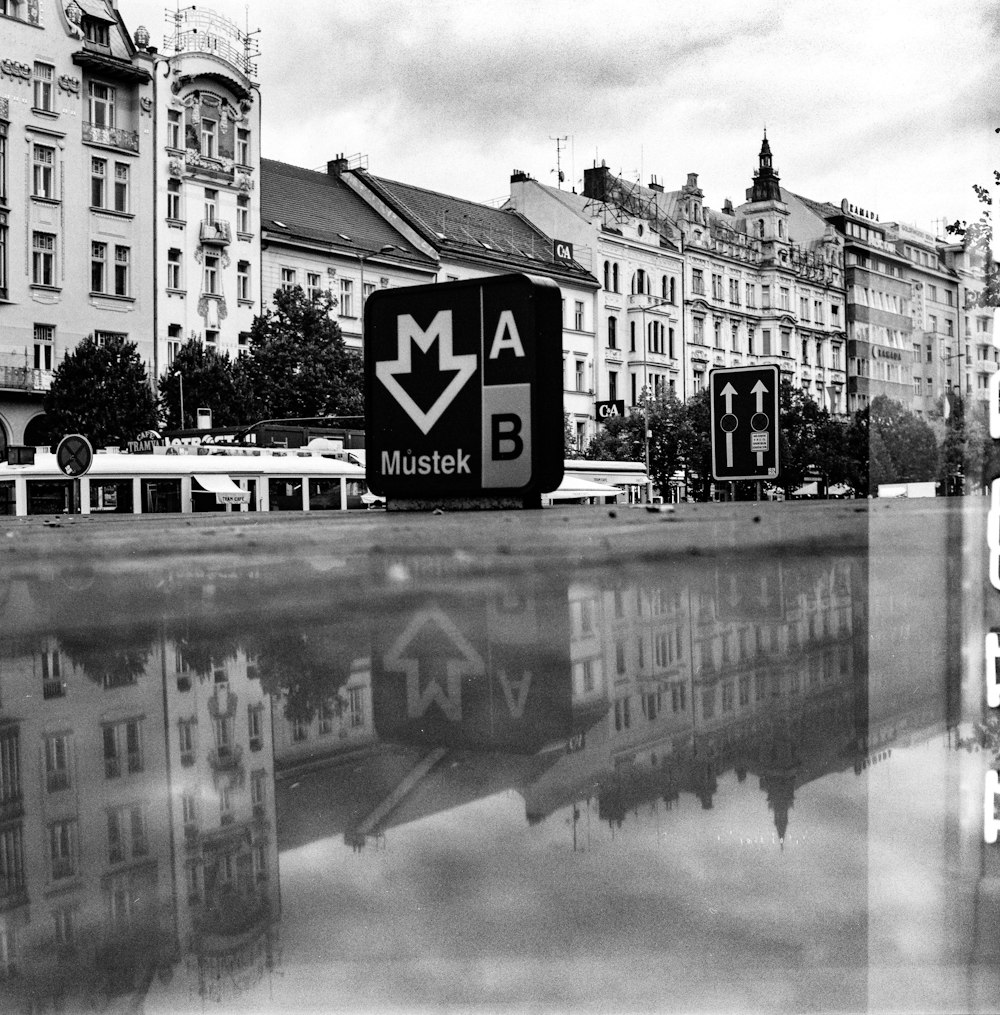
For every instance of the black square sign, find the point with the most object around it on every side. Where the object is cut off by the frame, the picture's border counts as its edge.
(463, 388)
(745, 423)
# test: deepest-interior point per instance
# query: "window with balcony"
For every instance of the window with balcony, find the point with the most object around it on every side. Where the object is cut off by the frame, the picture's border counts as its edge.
(44, 343)
(174, 127)
(211, 205)
(42, 75)
(101, 105)
(43, 178)
(174, 200)
(43, 259)
(209, 138)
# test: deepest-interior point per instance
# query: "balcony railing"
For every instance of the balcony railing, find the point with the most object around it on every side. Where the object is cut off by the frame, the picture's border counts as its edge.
(116, 137)
(216, 233)
(25, 378)
(225, 758)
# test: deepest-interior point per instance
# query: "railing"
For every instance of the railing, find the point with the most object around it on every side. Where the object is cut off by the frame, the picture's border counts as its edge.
(25, 378)
(116, 137)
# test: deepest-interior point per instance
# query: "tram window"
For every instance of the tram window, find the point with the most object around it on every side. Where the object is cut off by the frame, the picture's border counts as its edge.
(285, 494)
(324, 494)
(50, 496)
(161, 495)
(7, 506)
(112, 496)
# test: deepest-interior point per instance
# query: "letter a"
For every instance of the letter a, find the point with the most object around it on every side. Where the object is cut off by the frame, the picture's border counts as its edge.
(506, 336)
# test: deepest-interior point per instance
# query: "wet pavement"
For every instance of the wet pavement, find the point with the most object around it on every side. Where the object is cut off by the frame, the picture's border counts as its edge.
(717, 759)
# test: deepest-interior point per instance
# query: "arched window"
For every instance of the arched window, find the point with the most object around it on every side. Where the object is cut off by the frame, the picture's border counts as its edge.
(614, 277)
(673, 290)
(631, 336)
(607, 274)
(612, 332)
(760, 228)
(663, 287)
(781, 228)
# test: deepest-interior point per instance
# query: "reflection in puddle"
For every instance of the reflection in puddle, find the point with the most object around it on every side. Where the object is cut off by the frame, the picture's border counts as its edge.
(459, 778)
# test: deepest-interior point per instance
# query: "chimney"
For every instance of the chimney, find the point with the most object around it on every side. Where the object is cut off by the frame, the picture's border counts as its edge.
(519, 176)
(654, 184)
(595, 183)
(727, 207)
(337, 166)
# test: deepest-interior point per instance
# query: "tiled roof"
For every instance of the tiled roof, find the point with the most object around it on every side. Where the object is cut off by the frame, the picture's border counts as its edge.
(312, 205)
(822, 208)
(460, 228)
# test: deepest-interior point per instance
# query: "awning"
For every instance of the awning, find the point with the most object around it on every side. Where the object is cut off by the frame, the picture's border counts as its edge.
(620, 478)
(225, 490)
(574, 488)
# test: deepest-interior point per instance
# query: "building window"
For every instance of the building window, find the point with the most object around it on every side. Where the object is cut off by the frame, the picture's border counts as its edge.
(57, 763)
(765, 339)
(62, 849)
(122, 257)
(173, 342)
(578, 315)
(174, 199)
(579, 375)
(717, 333)
(186, 741)
(121, 186)
(127, 834)
(313, 285)
(42, 79)
(243, 214)
(698, 281)
(255, 724)
(211, 204)
(734, 292)
(123, 748)
(613, 385)
(103, 338)
(98, 267)
(784, 298)
(786, 342)
(835, 315)
(98, 182)
(211, 338)
(174, 128)
(208, 138)
(43, 259)
(765, 297)
(751, 294)
(3, 162)
(631, 336)
(173, 268)
(346, 297)
(614, 277)
(43, 159)
(751, 336)
(243, 280)
(716, 287)
(369, 288)
(45, 335)
(735, 338)
(211, 284)
(698, 330)
(607, 275)
(804, 308)
(817, 311)
(101, 105)
(242, 146)
(288, 279)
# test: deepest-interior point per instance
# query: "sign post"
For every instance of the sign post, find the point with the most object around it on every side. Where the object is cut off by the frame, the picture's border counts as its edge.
(74, 455)
(459, 393)
(745, 422)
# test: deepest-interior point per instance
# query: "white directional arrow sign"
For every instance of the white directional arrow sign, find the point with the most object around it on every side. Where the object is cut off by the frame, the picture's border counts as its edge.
(744, 414)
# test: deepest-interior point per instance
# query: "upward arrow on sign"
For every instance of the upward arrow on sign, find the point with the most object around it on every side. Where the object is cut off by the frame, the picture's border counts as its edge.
(727, 393)
(759, 390)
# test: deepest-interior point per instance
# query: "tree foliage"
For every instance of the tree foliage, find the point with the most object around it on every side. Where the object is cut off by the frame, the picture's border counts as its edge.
(103, 392)
(298, 364)
(209, 379)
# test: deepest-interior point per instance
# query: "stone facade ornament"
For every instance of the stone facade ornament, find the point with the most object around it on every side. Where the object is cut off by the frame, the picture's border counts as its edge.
(69, 84)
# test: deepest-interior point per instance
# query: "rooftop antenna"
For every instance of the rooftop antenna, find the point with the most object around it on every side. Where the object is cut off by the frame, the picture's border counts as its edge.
(560, 175)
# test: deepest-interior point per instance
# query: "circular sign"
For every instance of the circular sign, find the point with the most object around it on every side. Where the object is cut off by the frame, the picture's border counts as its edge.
(74, 455)
(729, 422)
(759, 421)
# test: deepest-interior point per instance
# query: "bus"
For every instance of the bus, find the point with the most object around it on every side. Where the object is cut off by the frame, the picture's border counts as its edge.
(179, 478)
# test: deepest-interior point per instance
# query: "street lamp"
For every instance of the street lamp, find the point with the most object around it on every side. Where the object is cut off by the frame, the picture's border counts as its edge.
(363, 256)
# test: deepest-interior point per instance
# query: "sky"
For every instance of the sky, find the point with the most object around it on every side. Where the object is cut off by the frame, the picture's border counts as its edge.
(890, 105)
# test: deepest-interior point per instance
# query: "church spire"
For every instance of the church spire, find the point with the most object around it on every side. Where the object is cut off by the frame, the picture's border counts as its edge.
(766, 185)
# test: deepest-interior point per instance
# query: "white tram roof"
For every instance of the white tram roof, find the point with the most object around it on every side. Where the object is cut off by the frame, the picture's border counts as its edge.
(124, 466)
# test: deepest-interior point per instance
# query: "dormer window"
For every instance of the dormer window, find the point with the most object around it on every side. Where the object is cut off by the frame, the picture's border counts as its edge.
(95, 31)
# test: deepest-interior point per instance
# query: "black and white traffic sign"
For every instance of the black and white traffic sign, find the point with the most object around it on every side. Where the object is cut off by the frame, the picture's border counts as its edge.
(463, 385)
(745, 422)
(74, 455)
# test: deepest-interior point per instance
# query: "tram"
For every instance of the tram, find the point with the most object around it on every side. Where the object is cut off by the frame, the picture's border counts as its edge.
(186, 478)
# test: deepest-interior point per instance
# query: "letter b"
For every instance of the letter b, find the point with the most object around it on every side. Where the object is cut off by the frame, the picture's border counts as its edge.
(505, 432)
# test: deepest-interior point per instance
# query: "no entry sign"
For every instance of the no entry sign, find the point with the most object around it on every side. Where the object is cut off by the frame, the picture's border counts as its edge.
(463, 388)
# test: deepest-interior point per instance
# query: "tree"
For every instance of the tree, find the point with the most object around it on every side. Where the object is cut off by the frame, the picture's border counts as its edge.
(209, 379)
(811, 441)
(900, 447)
(103, 392)
(298, 365)
(696, 445)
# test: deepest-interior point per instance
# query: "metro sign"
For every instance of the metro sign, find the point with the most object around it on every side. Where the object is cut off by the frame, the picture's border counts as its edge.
(745, 422)
(463, 385)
